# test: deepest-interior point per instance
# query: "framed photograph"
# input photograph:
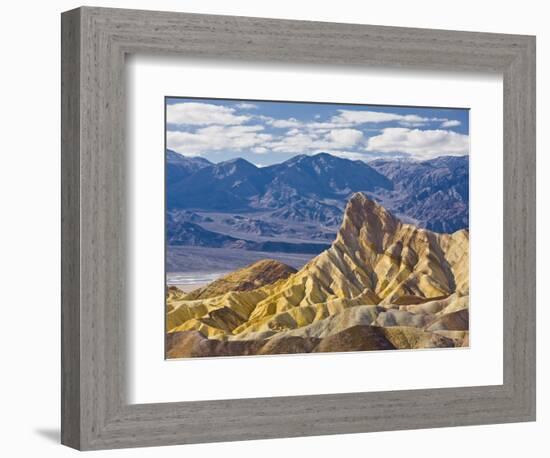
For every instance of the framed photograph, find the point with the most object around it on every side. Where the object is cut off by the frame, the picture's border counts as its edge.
(277, 228)
(296, 227)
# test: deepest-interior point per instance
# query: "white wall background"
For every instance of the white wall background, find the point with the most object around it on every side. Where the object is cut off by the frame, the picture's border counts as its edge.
(29, 230)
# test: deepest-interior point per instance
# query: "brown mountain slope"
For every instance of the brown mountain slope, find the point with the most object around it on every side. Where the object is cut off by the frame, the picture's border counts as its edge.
(253, 276)
(408, 277)
(187, 344)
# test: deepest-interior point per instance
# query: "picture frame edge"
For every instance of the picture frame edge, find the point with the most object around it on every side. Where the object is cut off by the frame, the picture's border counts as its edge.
(95, 416)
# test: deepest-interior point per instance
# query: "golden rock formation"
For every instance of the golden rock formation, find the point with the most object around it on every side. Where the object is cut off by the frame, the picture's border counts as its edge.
(382, 284)
(260, 273)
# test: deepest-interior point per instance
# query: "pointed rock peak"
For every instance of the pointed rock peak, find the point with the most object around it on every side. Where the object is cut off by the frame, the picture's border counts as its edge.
(362, 211)
(239, 161)
(359, 203)
(173, 157)
(268, 266)
(236, 166)
(325, 156)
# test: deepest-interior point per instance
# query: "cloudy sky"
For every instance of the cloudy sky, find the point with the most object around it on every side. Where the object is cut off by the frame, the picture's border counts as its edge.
(271, 132)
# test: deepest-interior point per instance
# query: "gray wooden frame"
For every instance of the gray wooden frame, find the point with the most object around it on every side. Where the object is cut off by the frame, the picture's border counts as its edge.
(95, 41)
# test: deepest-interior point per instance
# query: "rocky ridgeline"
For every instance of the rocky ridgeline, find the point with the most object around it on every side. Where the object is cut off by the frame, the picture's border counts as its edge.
(382, 284)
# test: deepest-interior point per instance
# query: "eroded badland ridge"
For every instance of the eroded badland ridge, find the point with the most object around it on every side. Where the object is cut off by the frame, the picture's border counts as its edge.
(382, 284)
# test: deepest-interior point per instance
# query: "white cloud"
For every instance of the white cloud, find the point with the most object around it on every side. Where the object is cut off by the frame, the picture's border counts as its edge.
(351, 155)
(326, 125)
(354, 117)
(297, 141)
(247, 106)
(411, 124)
(420, 144)
(207, 127)
(293, 123)
(451, 123)
(345, 137)
(293, 131)
(216, 138)
(362, 117)
(285, 123)
(202, 114)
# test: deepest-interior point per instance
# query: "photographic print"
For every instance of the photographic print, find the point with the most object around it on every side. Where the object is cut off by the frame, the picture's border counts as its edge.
(306, 227)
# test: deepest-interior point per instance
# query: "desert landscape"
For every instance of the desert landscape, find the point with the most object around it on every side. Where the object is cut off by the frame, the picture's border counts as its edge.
(295, 227)
(381, 285)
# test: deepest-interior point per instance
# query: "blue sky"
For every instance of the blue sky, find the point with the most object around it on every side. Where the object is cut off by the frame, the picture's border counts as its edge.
(271, 132)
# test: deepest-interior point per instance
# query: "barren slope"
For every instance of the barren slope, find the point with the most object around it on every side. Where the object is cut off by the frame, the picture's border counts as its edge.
(410, 282)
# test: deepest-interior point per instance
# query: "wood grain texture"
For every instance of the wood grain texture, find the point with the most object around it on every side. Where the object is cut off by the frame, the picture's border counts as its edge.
(96, 413)
(70, 229)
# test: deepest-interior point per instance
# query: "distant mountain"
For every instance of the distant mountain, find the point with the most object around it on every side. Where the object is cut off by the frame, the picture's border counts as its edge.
(225, 186)
(307, 193)
(191, 234)
(182, 216)
(179, 166)
(238, 185)
(439, 172)
(306, 210)
(321, 176)
(254, 226)
(434, 193)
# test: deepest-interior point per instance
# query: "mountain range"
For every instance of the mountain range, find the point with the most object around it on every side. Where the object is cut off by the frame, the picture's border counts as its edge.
(434, 194)
(240, 185)
(300, 202)
(383, 284)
